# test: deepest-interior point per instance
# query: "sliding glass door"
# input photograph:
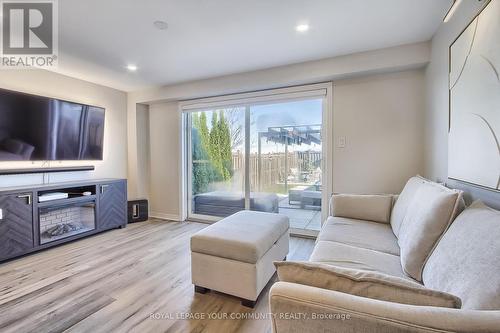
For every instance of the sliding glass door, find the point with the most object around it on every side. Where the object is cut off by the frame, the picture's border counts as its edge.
(257, 156)
(286, 156)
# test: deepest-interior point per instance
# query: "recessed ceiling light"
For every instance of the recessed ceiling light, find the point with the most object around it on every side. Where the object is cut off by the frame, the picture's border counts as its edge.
(162, 25)
(132, 68)
(302, 27)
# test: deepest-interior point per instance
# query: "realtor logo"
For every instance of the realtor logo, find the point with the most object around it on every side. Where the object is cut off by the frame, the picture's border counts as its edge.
(29, 37)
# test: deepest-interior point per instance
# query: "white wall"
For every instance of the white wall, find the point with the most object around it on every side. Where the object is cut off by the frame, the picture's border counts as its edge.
(436, 80)
(380, 115)
(381, 118)
(39, 82)
(354, 65)
(165, 125)
(143, 152)
(391, 59)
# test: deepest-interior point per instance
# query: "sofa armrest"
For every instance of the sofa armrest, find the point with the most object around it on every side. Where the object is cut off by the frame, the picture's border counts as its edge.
(301, 308)
(375, 208)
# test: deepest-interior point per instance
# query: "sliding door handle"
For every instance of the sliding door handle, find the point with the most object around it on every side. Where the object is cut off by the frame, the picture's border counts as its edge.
(26, 197)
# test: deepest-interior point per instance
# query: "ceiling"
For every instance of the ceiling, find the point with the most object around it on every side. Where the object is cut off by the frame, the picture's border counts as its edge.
(208, 38)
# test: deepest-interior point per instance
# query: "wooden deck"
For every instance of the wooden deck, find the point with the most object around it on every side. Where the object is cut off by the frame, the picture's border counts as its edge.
(135, 279)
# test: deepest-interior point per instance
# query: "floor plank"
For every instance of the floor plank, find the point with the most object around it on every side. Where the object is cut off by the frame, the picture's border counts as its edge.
(135, 279)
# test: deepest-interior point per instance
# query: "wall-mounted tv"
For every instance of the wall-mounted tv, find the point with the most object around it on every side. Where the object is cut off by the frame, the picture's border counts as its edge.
(36, 128)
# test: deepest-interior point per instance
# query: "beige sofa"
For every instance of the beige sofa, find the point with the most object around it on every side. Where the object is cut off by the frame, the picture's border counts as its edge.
(396, 264)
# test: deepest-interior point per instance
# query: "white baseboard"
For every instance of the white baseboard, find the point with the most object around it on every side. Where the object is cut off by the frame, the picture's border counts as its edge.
(163, 216)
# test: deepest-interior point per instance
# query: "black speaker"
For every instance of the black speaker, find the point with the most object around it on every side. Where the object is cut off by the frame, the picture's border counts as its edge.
(138, 211)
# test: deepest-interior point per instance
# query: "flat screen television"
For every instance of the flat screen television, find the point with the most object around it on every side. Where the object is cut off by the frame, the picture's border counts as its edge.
(36, 128)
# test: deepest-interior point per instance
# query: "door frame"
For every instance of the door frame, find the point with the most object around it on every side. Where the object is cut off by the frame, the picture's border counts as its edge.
(321, 90)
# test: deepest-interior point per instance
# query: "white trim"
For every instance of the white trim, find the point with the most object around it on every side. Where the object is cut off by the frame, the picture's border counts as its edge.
(183, 186)
(163, 216)
(204, 218)
(187, 165)
(328, 147)
(258, 97)
(305, 233)
(247, 185)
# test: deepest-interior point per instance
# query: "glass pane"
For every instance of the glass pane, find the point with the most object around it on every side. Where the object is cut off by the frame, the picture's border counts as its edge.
(217, 162)
(66, 221)
(285, 160)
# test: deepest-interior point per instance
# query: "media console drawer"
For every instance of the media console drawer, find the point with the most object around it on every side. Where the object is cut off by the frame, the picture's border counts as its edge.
(16, 224)
(112, 205)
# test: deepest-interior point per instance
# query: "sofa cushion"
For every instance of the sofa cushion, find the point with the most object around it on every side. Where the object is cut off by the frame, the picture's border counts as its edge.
(348, 256)
(363, 283)
(245, 236)
(403, 201)
(428, 216)
(375, 208)
(365, 234)
(466, 262)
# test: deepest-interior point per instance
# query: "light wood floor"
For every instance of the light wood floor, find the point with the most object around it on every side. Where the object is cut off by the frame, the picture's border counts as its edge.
(116, 282)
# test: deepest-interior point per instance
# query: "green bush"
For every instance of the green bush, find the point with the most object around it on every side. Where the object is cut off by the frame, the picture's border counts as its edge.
(211, 149)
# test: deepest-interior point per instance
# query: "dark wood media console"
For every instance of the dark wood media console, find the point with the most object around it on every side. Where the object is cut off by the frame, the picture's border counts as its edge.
(27, 225)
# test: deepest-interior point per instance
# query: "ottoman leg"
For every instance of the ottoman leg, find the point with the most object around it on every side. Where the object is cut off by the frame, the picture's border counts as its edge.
(201, 290)
(248, 303)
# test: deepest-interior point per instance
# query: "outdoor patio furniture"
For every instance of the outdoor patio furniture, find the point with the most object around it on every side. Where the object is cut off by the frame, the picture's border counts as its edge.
(310, 198)
(295, 194)
(222, 203)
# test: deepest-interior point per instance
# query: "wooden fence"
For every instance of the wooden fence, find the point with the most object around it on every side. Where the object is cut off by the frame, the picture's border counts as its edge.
(273, 172)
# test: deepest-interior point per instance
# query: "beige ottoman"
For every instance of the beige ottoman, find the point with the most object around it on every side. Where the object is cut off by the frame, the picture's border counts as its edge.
(235, 255)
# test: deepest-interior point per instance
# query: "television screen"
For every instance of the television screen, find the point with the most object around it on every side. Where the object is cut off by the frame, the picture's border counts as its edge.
(36, 128)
